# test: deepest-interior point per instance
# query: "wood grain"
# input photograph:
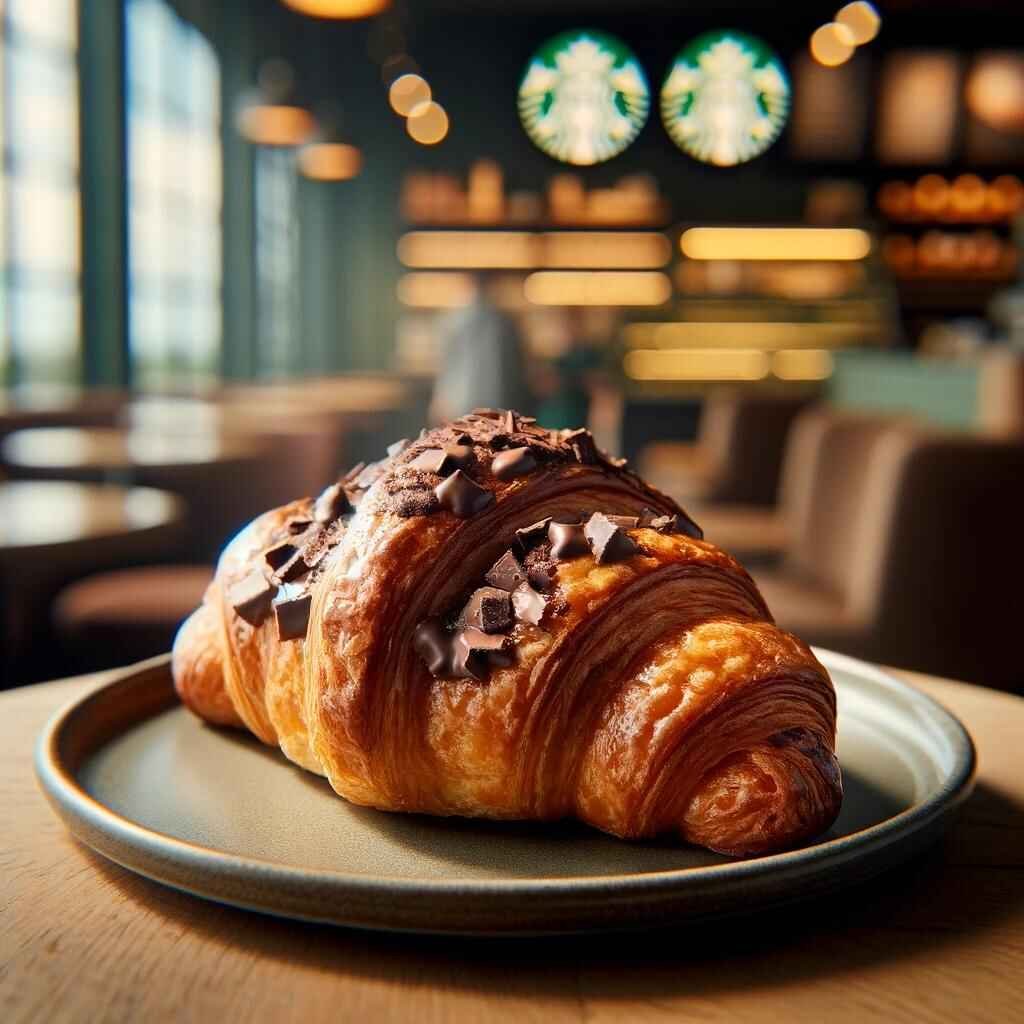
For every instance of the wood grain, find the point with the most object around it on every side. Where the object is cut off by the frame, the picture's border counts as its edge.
(939, 940)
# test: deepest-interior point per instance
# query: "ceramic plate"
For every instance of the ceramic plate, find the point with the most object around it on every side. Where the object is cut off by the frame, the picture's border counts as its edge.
(217, 814)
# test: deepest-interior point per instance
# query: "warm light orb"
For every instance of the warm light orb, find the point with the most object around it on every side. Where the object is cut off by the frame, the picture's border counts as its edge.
(725, 99)
(832, 44)
(995, 91)
(861, 20)
(273, 125)
(428, 123)
(583, 98)
(341, 9)
(407, 92)
(330, 161)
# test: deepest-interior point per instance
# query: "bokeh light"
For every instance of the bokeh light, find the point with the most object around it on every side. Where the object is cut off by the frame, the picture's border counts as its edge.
(832, 44)
(428, 123)
(330, 161)
(995, 91)
(341, 9)
(725, 99)
(861, 20)
(407, 92)
(583, 98)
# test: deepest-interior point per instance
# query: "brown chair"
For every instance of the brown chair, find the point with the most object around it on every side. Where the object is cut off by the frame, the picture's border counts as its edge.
(738, 455)
(909, 552)
(117, 618)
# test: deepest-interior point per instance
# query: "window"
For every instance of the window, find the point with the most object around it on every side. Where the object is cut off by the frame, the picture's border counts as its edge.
(40, 227)
(174, 200)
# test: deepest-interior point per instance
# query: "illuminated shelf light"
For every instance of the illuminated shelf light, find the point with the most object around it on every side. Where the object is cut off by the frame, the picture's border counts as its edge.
(275, 125)
(737, 334)
(597, 288)
(696, 364)
(428, 123)
(803, 364)
(468, 249)
(346, 10)
(623, 250)
(330, 161)
(832, 44)
(775, 243)
(434, 290)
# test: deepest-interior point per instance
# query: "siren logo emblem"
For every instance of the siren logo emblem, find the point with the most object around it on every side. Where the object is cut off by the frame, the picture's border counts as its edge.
(725, 99)
(583, 98)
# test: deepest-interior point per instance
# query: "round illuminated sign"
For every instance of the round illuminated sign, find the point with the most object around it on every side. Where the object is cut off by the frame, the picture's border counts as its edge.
(726, 98)
(584, 97)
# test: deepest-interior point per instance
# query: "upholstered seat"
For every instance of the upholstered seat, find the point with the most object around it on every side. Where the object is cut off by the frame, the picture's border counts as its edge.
(116, 618)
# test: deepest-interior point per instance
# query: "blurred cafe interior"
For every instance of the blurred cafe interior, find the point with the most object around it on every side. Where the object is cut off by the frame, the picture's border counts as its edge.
(770, 253)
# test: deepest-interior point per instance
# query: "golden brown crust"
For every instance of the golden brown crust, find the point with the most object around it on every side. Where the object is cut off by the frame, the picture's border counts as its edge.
(655, 695)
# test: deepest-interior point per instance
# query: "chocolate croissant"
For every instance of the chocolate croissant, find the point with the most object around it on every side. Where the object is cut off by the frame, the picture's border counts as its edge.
(500, 621)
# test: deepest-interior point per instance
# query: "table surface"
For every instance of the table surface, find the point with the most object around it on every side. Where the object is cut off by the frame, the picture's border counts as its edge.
(113, 448)
(941, 939)
(48, 512)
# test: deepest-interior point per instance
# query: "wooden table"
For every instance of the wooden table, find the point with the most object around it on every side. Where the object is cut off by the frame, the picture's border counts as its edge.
(939, 940)
(96, 451)
(53, 531)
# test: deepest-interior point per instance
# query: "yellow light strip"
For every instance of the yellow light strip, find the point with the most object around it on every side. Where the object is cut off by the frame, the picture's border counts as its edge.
(583, 250)
(732, 334)
(468, 249)
(597, 288)
(625, 250)
(696, 364)
(434, 290)
(803, 364)
(775, 243)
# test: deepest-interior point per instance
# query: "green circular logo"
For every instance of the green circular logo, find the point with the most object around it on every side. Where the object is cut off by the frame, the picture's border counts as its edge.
(584, 97)
(726, 98)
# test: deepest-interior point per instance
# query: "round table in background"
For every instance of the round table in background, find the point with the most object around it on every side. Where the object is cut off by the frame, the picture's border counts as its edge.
(54, 531)
(941, 939)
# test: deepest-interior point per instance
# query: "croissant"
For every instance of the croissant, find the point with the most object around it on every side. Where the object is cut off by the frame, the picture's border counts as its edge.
(498, 620)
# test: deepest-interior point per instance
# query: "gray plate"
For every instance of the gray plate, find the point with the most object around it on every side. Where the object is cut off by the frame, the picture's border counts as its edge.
(219, 815)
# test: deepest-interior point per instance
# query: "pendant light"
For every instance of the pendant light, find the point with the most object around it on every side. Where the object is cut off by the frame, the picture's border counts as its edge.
(270, 114)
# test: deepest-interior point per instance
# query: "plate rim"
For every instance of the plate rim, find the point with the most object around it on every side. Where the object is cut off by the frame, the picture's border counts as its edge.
(75, 805)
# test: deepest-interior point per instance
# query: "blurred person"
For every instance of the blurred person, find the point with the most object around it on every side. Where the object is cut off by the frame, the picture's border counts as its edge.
(570, 380)
(482, 359)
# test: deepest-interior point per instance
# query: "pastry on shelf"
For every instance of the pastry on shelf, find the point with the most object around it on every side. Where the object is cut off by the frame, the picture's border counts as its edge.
(498, 620)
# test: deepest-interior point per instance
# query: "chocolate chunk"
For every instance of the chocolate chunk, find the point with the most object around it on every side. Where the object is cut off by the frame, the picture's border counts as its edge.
(608, 542)
(542, 575)
(461, 455)
(463, 439)
(332, 504)
(567, 541)
(292, 570)
(251, 597)
(462, 496)
(398, 447)
(276, 556)
(488, 609)
(582, 444)
(369, 476)
(299, 526)
(647, 516)
(529, 536)
(474, 651)
(513, 462)
(508, 422)
(677, 524)
(292, 613)
(433, 643)
(488, 414)
(433, 460)
(506, 573)
(625, 522)
(353, 472)
(528, 604)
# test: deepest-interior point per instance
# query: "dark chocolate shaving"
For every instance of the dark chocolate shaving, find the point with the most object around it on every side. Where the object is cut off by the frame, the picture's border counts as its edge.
(506, 573)
(433, 460)
(626, 522)
(489, 610)
(567, 541)
(332, 504)
(529, 536)
(432, 642)
(369, 476)
(513, 462)
(462, 496)
(528, 605)
(677, 524)
(251, 597)
(276, 556)
(353, 472)
(582, 444)
(474, 651)
(397, 447)
(608, 542)
(292, 614)
(299, 526)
